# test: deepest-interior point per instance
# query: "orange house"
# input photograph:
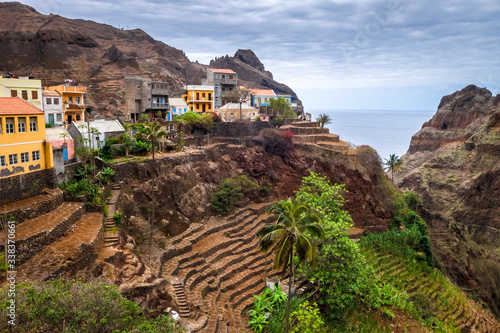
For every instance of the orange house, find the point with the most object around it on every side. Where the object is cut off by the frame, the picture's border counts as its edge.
(73, 102)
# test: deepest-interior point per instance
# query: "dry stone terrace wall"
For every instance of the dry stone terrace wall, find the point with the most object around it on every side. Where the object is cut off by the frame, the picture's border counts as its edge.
(239, 129)
(26, 185)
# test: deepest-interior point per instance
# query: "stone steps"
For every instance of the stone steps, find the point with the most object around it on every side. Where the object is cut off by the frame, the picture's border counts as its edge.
(219, 260)
(181, 299)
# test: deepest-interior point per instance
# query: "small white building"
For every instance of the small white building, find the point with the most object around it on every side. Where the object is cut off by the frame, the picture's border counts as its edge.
(231, 112)
(52, 106)
(177, 107)
(104, 129)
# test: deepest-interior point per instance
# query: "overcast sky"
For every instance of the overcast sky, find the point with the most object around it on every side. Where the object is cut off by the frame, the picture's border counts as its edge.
(337, 54)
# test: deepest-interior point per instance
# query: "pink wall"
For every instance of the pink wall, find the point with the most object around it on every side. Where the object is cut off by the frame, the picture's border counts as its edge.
(69, 142)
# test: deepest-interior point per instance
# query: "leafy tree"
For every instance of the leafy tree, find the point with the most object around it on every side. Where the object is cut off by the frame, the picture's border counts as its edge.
(345, 278)
(323, 119)
(152, 131)
(393, 164)
(296, 225)
(239, 95)
(282, 108)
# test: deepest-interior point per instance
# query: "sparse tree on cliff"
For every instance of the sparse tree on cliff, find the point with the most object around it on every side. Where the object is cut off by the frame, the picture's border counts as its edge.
(292, 233)
(153, 132)
(239, 95)
(323, 119)
(282, 108)
(393, 164)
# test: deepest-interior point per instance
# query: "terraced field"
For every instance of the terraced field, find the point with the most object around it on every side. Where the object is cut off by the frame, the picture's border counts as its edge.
(220, 268)
(446, 301)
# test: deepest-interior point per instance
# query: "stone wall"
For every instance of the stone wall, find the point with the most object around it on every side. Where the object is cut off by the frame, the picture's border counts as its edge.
(239, 129)
(26, 185)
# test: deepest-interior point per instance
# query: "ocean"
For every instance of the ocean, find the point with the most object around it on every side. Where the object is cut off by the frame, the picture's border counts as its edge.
(387, 131)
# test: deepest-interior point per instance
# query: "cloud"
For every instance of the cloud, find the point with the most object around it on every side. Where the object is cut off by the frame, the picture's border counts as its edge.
(388, 44)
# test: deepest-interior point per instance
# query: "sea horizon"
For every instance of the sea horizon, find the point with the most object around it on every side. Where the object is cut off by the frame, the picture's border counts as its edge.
(386, 131)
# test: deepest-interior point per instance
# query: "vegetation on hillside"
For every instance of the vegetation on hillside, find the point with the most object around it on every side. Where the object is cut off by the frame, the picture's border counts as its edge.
(231, 190)
(74, 306)
(357, 290)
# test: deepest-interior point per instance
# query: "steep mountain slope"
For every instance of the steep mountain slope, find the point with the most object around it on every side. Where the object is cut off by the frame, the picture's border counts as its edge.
(54, 48)
(454, 165)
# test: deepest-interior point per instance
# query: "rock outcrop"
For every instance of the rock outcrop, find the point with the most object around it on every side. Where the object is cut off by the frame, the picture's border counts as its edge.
(251, 72)
(53, 48)
(453, 163)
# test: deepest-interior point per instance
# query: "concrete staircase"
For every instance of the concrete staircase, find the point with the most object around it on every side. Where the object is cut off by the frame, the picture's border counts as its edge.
(181, 299)
(219, 267)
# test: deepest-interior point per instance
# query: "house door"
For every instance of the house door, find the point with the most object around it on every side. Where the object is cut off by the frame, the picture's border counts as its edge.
(65, 154)
(203, 107)
(51, 118)
(70, 119)
(197, 96)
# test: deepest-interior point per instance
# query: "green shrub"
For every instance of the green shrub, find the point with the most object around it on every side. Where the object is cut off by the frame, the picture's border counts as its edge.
(106, 151)
(230, 191)
(192, 120)
(74, 306)
(105, 175)
(277, 142)
(118, 217)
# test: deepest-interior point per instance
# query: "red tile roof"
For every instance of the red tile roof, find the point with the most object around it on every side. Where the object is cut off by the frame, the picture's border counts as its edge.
(225, 71)
(263, 92)
(15, 105)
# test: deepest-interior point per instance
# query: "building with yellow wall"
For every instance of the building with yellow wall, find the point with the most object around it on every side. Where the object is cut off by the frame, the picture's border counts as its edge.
(23, 145)
(73, 102)
(28, 89)
(199, 98)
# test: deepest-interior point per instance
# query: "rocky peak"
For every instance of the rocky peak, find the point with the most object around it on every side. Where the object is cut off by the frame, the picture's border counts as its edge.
(249, 57)
(458, 117)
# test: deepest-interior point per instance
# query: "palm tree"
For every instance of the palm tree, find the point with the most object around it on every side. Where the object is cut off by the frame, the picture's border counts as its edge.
(292, 234)
(152, 131)
(323, 119)
(393, 164)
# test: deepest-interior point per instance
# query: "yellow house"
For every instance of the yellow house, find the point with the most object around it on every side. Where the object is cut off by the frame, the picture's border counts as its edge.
(28, 89)
(73, 102)
(199, 98)
(23, 145)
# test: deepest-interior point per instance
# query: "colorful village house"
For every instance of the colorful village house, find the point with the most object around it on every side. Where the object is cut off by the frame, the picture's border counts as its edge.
(60, 139)
(177, 107)
(199, 98)
(223, 81)
(262, 97)
(23, 145)
(53, 107)
(23, 87)
(73, 102)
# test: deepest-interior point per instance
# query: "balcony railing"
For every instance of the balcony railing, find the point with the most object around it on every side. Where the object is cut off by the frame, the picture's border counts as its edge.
(228, 81)
(202, 99)
(159, 105)
(74, 106)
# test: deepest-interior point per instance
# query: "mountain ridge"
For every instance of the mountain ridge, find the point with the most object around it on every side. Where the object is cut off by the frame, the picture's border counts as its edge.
(54, 48)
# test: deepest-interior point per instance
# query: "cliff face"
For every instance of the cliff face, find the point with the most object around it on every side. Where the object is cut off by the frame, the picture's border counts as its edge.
(187, 181)
(54, 48)
(453, 163)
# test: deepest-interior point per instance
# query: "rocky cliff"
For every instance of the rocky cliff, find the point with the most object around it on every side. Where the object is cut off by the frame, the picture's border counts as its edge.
(453, 163)
(251, 72)
(54, 48)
